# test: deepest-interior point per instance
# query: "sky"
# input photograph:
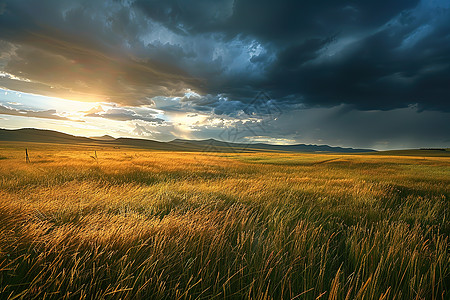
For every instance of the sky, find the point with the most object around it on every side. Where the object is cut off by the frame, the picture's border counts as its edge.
(365, 74)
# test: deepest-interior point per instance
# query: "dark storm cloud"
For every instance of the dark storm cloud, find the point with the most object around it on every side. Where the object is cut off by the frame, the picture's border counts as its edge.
(370, 54)
(271, 20)
(380, 71)
(366, 54)
(79, 52)
(188, 17)
(285, 20)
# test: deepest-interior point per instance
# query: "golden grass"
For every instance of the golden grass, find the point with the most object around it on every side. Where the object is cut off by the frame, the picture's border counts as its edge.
(169, 225)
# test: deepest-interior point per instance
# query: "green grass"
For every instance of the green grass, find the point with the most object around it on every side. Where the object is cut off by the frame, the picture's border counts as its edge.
(169, 225)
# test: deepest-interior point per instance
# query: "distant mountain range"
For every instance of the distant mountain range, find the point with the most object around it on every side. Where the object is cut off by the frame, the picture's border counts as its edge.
(103, 138)
(210, 145)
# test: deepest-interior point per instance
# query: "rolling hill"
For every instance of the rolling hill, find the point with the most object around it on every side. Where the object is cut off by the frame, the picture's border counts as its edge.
(209, 145)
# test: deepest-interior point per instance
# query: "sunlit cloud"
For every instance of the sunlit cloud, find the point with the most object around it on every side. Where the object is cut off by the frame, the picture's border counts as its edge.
(13, 77)
(271, 140)
(46, 114)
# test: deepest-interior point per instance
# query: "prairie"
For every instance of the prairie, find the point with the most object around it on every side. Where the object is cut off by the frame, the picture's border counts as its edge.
(140, 224)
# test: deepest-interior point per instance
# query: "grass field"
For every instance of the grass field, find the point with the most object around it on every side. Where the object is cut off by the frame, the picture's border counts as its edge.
(169, 225)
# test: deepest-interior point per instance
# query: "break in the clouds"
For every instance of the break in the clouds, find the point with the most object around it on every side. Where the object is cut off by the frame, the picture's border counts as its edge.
(158, 62)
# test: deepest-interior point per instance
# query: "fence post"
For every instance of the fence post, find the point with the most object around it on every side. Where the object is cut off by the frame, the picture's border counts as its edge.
(26, 156)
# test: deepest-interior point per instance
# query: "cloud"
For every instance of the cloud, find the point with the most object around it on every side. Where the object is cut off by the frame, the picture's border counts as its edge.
(269, 20)
(378, 55)
(376, 71)
(341, 125)
(153, 131)
(345, 126)
(46, 114)
(370, 54)
(91, 64)
(126, 114)
(186, 17)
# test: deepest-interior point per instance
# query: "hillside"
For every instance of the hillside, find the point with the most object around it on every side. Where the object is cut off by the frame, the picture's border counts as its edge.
(209, 145)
